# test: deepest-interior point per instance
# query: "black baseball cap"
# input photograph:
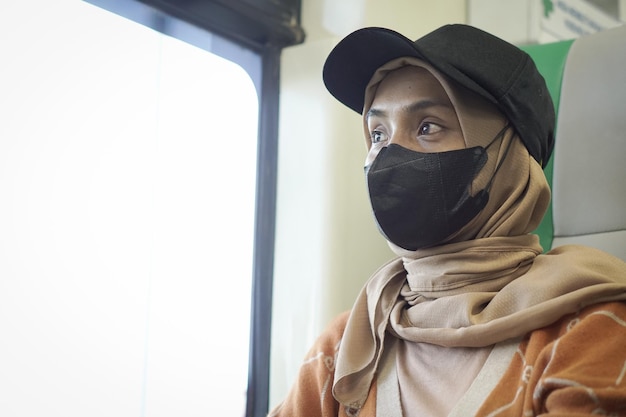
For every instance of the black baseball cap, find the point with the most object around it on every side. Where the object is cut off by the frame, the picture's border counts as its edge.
(487, 65)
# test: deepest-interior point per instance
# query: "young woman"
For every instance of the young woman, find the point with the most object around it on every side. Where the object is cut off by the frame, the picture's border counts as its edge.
(471, 318)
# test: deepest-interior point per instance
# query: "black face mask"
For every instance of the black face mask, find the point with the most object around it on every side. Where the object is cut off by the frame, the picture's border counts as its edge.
(419, 199)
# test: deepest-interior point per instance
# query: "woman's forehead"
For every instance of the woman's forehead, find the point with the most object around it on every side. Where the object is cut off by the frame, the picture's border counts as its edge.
(409, 85)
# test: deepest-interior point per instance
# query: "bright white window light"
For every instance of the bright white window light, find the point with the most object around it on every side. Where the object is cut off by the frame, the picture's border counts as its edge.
(127, 176)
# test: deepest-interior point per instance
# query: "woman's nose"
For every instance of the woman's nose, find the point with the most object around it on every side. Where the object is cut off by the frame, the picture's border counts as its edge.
(405, 139)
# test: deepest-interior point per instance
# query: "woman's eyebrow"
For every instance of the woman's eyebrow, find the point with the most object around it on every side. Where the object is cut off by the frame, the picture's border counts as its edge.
(411, 108)
(375, 112)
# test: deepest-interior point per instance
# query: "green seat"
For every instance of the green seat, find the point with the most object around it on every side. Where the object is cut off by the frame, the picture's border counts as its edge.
(587, 172)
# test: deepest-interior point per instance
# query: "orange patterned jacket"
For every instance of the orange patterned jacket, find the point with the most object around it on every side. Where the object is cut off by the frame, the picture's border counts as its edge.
(575, 367)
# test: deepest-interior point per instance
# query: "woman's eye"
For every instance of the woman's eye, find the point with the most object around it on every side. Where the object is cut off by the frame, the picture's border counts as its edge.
(428, 129)
(377, 136)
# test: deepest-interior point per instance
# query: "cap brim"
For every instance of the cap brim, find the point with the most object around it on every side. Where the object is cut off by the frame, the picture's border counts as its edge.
(351, 64)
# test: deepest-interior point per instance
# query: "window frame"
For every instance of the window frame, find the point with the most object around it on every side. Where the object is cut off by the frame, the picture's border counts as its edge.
(243, 27)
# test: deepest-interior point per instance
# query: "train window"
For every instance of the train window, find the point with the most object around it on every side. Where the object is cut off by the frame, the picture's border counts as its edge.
(128, 174)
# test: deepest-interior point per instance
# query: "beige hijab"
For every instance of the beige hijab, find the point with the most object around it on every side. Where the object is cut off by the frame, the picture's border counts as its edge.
(488, 282)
